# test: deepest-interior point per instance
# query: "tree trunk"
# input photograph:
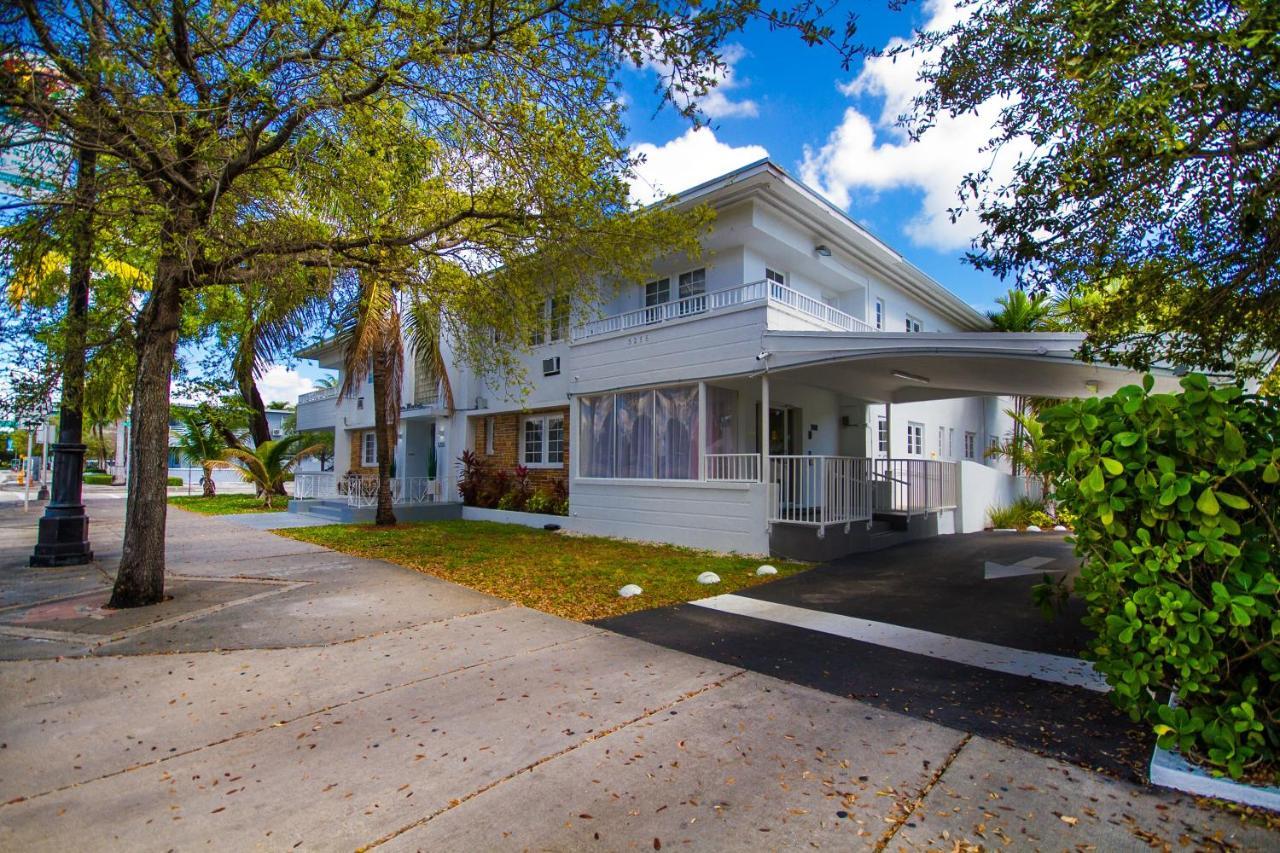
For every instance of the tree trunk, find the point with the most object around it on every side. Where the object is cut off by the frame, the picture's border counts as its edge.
(259, 427)
(209, 490)
(385, 440)
(140, 579)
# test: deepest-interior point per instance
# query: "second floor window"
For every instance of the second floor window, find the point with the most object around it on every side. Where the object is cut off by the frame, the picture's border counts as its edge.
(882, 435)
(693, 288)
(775, 277)
(915, 439)
(879, 312)
(970, 445)
(555, 322)
(913, 325)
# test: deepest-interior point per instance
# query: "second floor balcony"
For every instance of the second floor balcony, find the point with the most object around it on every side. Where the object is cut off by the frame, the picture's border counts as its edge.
(756, 293)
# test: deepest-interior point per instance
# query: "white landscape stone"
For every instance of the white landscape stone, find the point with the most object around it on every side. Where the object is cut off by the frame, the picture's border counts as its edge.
(1031, 528)
(708, 577)
(630, 590)
(766, 570)
(1060, 528)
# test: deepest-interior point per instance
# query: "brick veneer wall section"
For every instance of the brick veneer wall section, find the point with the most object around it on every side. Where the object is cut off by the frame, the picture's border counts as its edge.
(356, 456)
(506, 446)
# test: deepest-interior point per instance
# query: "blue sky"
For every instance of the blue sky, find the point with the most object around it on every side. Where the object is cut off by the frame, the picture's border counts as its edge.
(834, 129)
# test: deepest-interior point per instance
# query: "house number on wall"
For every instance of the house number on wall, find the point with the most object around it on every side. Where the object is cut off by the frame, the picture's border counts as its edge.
(637, 339)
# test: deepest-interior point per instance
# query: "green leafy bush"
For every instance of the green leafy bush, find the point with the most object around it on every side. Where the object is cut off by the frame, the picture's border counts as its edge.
(97, 479)
(1175, 498)
(1042, 519)
(176, 481)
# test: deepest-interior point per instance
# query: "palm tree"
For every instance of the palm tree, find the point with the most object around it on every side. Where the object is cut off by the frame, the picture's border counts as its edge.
(200, 442)
(269, 464)
(1021, 313)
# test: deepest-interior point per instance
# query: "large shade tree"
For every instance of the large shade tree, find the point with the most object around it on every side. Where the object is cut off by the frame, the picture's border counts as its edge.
(1148, 175)
(212, 104)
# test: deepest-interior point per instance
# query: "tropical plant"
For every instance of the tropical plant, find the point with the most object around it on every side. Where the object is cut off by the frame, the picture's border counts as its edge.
(201, 443)
(1024, 448)
(1019, 514)
(1176, 505)
(269, 464)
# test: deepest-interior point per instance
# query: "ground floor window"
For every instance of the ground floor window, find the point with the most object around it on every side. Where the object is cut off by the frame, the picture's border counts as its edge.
(542, 441)
(915, 439)
(648, 434)
(882, 435)
(369, 449)
(970, 445)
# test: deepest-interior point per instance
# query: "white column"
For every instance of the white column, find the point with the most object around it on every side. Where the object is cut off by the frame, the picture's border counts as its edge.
(574, 435)
(764, 427)
(704, 430)
(888, 428)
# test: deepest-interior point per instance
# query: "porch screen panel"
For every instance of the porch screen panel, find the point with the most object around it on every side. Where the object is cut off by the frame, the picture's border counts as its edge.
(676, 416)
(595, 433)
(722, 420)
(633, 441)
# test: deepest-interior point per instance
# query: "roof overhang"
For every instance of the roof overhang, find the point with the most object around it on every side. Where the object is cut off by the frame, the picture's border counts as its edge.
(906, 368)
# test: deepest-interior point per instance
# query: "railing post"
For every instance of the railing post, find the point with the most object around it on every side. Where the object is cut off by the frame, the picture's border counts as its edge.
(765, 473)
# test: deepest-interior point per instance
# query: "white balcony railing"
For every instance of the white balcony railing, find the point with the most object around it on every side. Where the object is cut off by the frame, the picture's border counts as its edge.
(318, 395)
(817, 491)
(733, 467)
(761, 292)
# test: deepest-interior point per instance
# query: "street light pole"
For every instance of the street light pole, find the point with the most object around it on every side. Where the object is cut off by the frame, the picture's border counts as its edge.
(43, 494)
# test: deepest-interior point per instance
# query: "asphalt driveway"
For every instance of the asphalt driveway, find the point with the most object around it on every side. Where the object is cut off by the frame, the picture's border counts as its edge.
(953, 594)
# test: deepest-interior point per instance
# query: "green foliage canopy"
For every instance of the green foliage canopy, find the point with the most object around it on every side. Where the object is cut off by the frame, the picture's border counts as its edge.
(1149, 140)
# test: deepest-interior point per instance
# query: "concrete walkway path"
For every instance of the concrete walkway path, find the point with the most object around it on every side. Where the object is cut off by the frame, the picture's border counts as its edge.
(290, 697)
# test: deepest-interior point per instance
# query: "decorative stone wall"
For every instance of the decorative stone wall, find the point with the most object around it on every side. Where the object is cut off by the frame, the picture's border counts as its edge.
(506, 446)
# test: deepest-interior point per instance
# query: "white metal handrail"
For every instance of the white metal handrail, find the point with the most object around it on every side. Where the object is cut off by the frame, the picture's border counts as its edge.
(746, 294)
(318, 395)
(310, 486)
(363, 491)
(818, 491)
(914, 486)
(733, 467)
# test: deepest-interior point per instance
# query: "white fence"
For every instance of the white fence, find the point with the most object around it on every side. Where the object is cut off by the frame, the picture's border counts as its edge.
(914, 486)
(362, 491)
(818, 491)
(733, 467)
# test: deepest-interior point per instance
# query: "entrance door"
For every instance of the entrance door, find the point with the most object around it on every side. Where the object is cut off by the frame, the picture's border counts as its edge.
(784, 431)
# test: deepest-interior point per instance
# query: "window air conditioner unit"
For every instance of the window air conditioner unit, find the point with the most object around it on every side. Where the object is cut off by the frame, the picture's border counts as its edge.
(551, 366)
(482, 403)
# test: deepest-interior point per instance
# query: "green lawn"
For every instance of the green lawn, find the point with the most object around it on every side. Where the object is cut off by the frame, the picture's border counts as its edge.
(227, 504)
(576, 577)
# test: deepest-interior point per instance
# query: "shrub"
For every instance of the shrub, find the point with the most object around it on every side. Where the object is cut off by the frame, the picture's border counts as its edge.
(1176, 498)
(1041, 519)
(176, 481)
(497, 485)
(474, 479)
(1018, 514)
(97, 479)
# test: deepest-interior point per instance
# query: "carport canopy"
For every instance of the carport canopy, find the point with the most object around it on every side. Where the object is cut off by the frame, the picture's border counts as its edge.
(891, 367)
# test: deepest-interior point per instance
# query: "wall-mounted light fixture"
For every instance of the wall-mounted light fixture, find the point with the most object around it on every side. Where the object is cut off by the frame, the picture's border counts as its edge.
(823, 250)
(1092, 385)
(911, 377)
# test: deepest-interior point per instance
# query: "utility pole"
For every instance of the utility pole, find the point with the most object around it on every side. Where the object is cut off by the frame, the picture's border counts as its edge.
(43, 494)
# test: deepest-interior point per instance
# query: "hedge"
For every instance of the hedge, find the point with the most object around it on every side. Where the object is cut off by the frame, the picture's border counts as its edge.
(1176, 498)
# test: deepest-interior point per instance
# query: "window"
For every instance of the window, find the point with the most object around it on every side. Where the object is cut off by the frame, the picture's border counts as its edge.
(970, 445)
(656, 293)
(951, 443)
(542, 441)
(693, 288)
(882, 434)
(649, 434)
(369, 449)
(879, 313)
(775, 277)
(554, 322)
(359, 403)
(942, 435)
(913, 325)
(915, 439)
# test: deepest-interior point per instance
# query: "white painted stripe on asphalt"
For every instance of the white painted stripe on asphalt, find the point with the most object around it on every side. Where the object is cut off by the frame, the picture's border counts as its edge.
(1038, 665)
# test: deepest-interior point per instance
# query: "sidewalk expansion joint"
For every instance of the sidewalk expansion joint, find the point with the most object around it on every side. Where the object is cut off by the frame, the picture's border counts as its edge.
(291, 720)
(650, 712)
(918, 800)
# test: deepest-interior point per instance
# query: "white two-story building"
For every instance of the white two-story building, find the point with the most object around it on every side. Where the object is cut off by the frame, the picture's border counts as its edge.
(797, 382)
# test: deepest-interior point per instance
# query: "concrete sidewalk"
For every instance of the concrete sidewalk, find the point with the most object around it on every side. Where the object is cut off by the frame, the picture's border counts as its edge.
(291, 697)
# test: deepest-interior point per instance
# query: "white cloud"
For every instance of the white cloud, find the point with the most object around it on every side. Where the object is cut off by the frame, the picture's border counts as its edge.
(716, 104)
(685, 162)
(865, 155)
(281, 383)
